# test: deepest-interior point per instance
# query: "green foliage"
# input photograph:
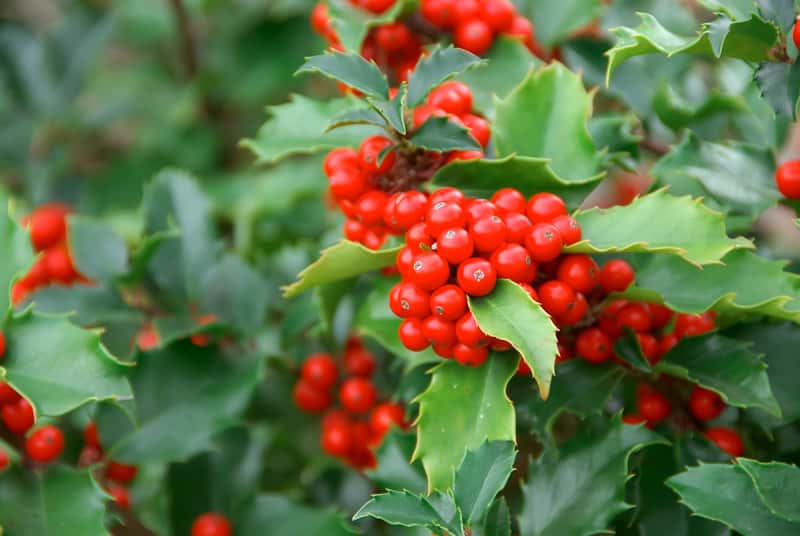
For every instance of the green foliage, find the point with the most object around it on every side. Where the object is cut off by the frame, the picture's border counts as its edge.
(435, 69)
(16, 252)
(441, 135)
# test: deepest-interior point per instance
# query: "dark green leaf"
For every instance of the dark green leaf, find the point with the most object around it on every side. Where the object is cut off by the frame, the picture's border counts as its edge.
(435, 68)
(392, 111)
(277, 514)
(361, 116)
(350, 69)
(235, 293)
(441, 135)
(16, 252)
(98, 252)
(778, 484)
(628, 349)
(498, 520)
(780, 86)
(481, 476)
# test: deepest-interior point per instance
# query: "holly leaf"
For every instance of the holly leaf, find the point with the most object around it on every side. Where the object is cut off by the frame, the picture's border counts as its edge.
(16, 252)
(350, 69)
(301, 126)
(277, 514)
(343, 260)
(98, 252)
(481, 476)
(394, 469)
(392, 111)
(725, 493)
(781, 12)
(236, 294)
(688, 229)
(360, 116)
(59, 366)
(677, 112)
(353, 23)
(185, 395)
(629, 350)
(435, 68)
(549, 106)
(461, 408)
(748, 40)
(777, 484)
(442, 135)
(725, 366)
(481, 178)
(498, 520)
(556, 20)
(43, 503)
(405, 509)
(510, 314)
(779, 84)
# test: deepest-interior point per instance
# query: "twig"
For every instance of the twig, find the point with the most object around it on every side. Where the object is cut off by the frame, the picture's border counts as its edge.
(188, 49)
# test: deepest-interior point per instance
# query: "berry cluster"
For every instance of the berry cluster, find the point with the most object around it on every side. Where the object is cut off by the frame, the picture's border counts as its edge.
(361, 423)
(379, 196)
(116, 475)
(42, 445)
(48, 234)
(462, 247)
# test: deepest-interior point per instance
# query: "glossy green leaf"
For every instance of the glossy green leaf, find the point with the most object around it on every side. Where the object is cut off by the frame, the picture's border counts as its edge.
(481, 178)
(340, 261)
(461, 408)
(556, 20)
(395, 469)
(236, 294)
(441, 135)
(277, 514)
(59, 366)
(498, 520)
(97, 251)
(725, 493)
(779, 84)
(16, 252)
(677, 112)
(392, 111)
(723, 365)
(548, 107)
(658, 223)
(510, 314)
(350, 69)
(435, 68)
(585, 489)
(481, 476)
(44, 503)
(629, 350)
(778, 484)
(405, 509)
(299, 127)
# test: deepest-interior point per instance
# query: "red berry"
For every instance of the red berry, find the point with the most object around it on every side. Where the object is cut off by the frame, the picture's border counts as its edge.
(556, 297)
(370, 207)
(466, 10)
(476, 276)
(488, 233)
(341, 157)
(429, 270)
(354, 230)
(375, 6)
(510, 200)
(211, 524)
(440, 13)
(474, 36)
(578, 271)
(576, 313)
(336, 438)
(499, 14)
(470, 356)
(478, 128)
(44, 444)
(616, 276)
(408, 300)
(661, 315)
(545, 207)
(796, 33)
(8, 395)
(788, 175)
(633, 418)
(531, 291)
(448, 302)
(310, 399)
(518, 226)
(667, 343)
(465, 155)
(513, 261)
(522, 29)
(384, 416)
(438, 331)
(704, 404)
(119, 496)
(455, 245)
(394, 37)
(4, 459)
(48, 225)
(448, 194)
(569, 228)
(121, 472)
(319, 18)
(442, 216)
(452, 97)
(593, 345)
(408, 209)
(59, 264)
(650, 347)
(404, 261)
(726, 439)
(653, 406)
(369, 151)
(444, 351)
(410, 333)
(348, 183)
(90, 435)
(468, 332)
(320, 371)
(418, 236)
(18, 417)
(357, 395)
(478, 209)
(544, 242)
(635, 316)
(693, 325)
(359, 362)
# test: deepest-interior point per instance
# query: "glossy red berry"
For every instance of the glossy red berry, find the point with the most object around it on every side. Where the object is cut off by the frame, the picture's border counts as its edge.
(18, 417)
(704, 404)
(408, 300)
(375, 6)
(616, 276)
(121, 472)
(593, 345)
(340, 157)
(59, 264)
(787, 178)
(556, 297)
(518, 226)
(448, 194)
(348, 183)
(649, 346)
(442, 216)
(478, 209)
(510, 200)
(44, 444)
(667, 343)
(544, 242)
(410, 333)
(468, 332)
(48, 225)
(119, 496)
(470, 356)
(569, 228)
(465, 155)
(579, 271)
(394, 37)
(429, 270)
(478, 127)
(512, 261)
(370, 207)
(319, 18)
(4, 459)
(354, 230)
(692, 325)
(633, 418)
(576, 313)
(521, 29)
(438, 331)
(634, 316)
(545, 207)
(488, 233)
(310, 399)
(448, 302)
(211, 524)
(359, 362)
(473, 35)
(476, 276)
(455, 245)
(386, 415)
(370, 150)
(418, 237)
(90, 435)
(796, 33)
(660, 314)
(320, 371)
(726, 439)
(8, 395)
(440, 13)
(498, 14)
(357, 395)
(408, 209)
(336, 438)
(653, 406)
(452, 97)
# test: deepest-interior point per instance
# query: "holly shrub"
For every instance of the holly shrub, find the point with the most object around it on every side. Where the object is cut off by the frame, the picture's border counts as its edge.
(486, 267)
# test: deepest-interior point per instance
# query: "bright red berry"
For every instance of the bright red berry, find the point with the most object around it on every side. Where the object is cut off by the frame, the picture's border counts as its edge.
(359, 362)
(518, 226)
(336, 438)
(616, 276)
(442, 216)
(370, 150)
(704, 404)
(357, 395)
(7, 394)
(448, 194)
(429, 270)
(408, 209)
(667, 343)
(319, 18)
(18, 416)
(348, 182)
(408, 300)
(545, 207)
(544, 242)
(510, 200)
(440, 13)
(320, 371)
(438, 331)
(121, 472)
(44, 444)
(787, 177)
(394, 37)
(59, 264)
(569, 228)
(468, 332)
(4, 459)
(633, 418)
(418, 236)
(375, 6)
(478, 127)
(578, 271)
(410, 333)
(521, 29)
(593, 345)
(653, 406)
(796, 33)
(90, 435)
(452, 97)
(576, 313)
(692, 325)
(370, 207)
(310, 399)
(661, 315)
(634, 316)
(470, 356)
(474, 36)
(211, 524)
(726, 439)
(476, 276)
(340, 157)
(464, 155)
(119, 496)
(513, 262)
(650, 347)
(556, 297)
(354, 230)
(386, 415)
(48, 225)
(444, 351)
(478, 209)
(498, 14)
(448, 302)
(488, 233)
(455, 245)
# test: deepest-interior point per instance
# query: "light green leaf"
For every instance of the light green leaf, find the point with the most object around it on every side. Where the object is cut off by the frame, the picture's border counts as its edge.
(340, 261)
(98, 252)
(548, 107)
(350, 69)
(657, 222)
(510, 314)
(441, 135)
(405, 509)
(778, 485)
(16, 252)
(461, 408)
(435, 68)
(277, 514)
(482, 475)
(556, 20)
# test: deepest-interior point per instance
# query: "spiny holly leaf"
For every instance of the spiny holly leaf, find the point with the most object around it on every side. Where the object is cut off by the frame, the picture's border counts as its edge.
(45, 503)
(778, 485)
(392, 111)
(481, 178)
(482, 475)
(360, 116)
(59, 366)
(441, 135)
(185, 395)
(726, 287)
(435, 68)
(340, 261)
(405, 509)
(779, 84)
(781, 12)
(556, 20)
(677, 113)
(725, 493)
(748, 40)
(394, 469)
(98, 252)
(629, 350)
(461, 408)
(657, 223)
(739, 178)
(16, 252)
(578, 387)
(548, 107)
(352, 23)
(585, 489)
(510, 314)
(300, 127)
(350, 69)
(277, 514)
(723, 365)
(498, 520)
